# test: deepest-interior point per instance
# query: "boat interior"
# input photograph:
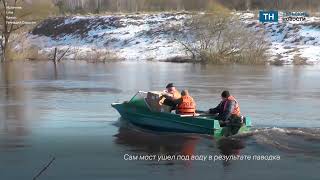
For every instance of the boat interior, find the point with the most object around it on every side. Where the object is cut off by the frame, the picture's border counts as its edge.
(154, 101)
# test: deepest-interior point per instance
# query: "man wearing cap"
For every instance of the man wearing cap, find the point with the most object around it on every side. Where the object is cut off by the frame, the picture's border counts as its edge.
(172, 96)
(228, 109)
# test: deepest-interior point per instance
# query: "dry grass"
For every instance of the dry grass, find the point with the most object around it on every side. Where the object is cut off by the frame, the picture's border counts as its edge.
(298, 60)
(94, 56)
(31, 53)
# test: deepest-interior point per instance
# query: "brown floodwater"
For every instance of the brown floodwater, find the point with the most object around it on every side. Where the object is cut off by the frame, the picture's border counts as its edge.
(65, 113)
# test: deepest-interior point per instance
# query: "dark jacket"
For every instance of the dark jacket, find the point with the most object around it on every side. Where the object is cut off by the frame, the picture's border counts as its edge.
(223, 114)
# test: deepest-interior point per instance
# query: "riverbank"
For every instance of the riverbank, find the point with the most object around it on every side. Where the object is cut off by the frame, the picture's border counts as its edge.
(151, 37)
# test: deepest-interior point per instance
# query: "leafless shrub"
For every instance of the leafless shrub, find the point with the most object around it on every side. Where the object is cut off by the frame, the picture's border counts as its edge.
(298, 60)
(94, 55)
(277, 61)
(221, 39)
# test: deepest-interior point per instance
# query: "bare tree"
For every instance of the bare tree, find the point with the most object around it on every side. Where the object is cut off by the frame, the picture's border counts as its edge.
(17, 16)
(7, 28)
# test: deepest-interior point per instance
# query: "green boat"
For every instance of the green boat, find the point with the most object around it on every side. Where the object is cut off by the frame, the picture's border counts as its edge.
(144, 110)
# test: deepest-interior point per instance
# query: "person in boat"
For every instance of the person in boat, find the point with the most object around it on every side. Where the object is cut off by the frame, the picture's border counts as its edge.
(171, 95)
(186, 105)
(228, 110)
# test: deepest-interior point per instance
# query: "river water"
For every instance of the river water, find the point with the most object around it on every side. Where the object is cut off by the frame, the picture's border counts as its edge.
(65, 113)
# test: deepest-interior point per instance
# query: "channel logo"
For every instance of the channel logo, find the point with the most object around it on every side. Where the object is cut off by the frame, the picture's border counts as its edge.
(282, 17)
(268, 16)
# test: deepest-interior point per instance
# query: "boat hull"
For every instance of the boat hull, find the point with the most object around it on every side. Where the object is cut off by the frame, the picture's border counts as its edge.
(169, 122)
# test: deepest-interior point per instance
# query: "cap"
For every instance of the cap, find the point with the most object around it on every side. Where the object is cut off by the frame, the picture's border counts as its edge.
(170, 85)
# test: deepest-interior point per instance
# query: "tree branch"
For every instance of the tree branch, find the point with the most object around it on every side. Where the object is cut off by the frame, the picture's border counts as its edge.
(24, 15)
(63, 54)
(44, 169)
(14, 13)
(18, 27)
(4, 4)
(2, 15)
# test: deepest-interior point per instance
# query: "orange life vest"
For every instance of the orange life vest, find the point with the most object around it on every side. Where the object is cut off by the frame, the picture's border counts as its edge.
(187, 106)
(236, 110)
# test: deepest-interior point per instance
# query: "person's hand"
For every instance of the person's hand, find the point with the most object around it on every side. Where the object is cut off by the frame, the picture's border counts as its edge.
(161, 100)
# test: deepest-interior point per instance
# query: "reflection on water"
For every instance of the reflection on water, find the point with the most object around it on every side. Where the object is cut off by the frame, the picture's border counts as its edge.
(13, 127)
(230, 146)
(139, 141)
(66, 113)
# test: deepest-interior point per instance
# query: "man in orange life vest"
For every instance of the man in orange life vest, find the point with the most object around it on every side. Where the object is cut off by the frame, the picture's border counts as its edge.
(172, 96)
(228, 109)
(186, 105)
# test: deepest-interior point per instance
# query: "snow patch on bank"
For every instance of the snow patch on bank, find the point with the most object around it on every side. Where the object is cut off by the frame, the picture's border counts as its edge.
(130, 37)
(290, 42)
(150, 36)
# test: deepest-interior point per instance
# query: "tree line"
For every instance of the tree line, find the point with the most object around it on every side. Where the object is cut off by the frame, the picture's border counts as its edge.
(96, 6)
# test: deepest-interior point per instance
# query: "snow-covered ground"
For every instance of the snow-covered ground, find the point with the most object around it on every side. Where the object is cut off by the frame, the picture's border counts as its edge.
(292, 40)
(150, 36)
(130, 37)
